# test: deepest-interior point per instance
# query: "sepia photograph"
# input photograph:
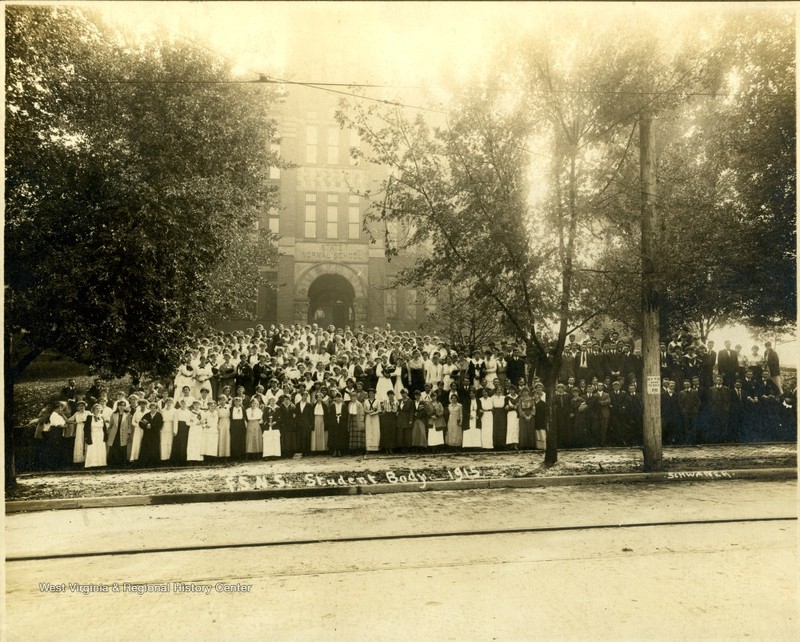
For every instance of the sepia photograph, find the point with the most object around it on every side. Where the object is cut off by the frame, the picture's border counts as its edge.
(400, 320)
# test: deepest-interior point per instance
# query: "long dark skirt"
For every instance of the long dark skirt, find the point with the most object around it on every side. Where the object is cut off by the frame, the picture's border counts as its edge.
(238, 439)
(499, 427)
(338, 437)
(526, 436)
(180, 442)
(150, 452)
(389, 437)
(289, 442)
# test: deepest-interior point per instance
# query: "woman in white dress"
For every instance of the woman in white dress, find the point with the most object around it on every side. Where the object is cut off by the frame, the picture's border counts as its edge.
(195, 443)
(512, 419)
(487, 424)
(141, 411)
(168, 430)
(385, 371)
(436, 424)
(319, 438)
(471, 436)
(78, 420)
(271, 436)
(94, 434)
(211, 431)
(253, 442)
(224, 427)
(372, 421)
(202, 375)
(185, 377)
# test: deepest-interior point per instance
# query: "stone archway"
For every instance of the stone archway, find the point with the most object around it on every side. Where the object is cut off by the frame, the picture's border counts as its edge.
(330, 294)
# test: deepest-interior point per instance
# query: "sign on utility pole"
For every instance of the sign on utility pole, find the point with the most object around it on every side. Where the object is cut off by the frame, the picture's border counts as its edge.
(651, 303)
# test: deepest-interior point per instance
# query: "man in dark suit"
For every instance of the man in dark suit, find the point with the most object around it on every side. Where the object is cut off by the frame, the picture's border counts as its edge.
(603, 409)
(515, 367)
(286, 419)
(670, 414)
(618, 424)
(708, 361)
(689, 405)
(663, 360)
(738, 408)
(634, 411)
(727, 364)
(719, 402)
(563, 408)
(582, 365)
(774, 366)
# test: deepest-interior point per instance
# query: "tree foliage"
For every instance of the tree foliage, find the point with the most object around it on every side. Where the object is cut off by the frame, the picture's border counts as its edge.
(135, 173)
(528, 196)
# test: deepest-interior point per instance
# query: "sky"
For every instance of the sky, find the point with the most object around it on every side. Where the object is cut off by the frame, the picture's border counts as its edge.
(401, 44)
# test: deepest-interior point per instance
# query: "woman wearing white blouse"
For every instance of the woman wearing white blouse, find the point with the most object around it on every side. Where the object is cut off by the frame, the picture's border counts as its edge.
(224, 427)
(471, 437)
(195, 443)
(253, 440)
(319, 438)
(487, 424)
(168, 430)
(211, 431)
(94, 434)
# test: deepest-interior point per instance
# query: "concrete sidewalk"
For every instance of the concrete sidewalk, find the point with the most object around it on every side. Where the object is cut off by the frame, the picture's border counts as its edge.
(325, 475)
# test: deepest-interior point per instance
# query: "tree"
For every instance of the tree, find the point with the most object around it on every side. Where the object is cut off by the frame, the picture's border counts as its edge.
(135, 173)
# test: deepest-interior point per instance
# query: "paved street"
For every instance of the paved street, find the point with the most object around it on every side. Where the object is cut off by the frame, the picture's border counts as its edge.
(691, 581)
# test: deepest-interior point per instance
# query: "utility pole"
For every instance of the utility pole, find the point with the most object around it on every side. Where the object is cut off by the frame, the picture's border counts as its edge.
(651, 303)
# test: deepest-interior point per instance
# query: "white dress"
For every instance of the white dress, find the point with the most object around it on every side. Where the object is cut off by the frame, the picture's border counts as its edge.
(79, 450)
(211, 434)
(471, 437)
(487, 423)
(512, 425)
(195, 443)
(372, 425)
(384, 383)
(185, 377)
(96, 451)
(136, 445)
(167, 432)
(271, 437)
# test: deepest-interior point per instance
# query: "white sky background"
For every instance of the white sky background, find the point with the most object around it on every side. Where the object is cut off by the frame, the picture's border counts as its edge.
(401, 44)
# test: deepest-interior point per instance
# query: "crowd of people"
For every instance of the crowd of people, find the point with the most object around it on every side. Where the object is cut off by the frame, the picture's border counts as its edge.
(299, 390)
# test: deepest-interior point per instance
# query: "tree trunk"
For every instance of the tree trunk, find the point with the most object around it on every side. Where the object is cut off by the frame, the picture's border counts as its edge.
(650, 302)
(12, 375)
(551, 446)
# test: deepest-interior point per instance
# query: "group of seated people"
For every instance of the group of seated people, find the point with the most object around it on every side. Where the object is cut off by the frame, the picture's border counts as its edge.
(284, 392)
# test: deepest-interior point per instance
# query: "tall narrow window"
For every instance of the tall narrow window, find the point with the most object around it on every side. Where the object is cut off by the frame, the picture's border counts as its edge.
(333, 216)
(311, 144)
(274, 220)
(390, 303)
(411, 304)
(311, 216)
(275, 172)
(355, 145)
(333, 145)
(353, 218)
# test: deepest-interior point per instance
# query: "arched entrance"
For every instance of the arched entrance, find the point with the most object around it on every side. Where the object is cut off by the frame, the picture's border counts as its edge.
(330, 301)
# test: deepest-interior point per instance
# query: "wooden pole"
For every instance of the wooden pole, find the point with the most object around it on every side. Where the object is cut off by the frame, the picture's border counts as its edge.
(650, 299)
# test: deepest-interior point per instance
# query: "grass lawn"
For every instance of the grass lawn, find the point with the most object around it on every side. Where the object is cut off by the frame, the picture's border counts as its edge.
(42, 383)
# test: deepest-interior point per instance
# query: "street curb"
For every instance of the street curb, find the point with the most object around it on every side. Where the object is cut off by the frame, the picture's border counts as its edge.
(762, 474)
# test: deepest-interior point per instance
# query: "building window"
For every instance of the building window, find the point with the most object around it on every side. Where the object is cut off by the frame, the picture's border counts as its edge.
(274, 220)
(355, 146)
(275, 172)
(430, 305)
(353, 218)
(390, 303)
(333, 216)
(311, 144)
(311, 216)
(411, 304)
(333, 146)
